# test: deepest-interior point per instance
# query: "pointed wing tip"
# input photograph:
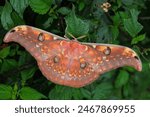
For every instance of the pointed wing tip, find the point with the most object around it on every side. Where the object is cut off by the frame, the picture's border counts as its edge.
(136, 61)
(139, 65)
(9, 35)
(7, 38)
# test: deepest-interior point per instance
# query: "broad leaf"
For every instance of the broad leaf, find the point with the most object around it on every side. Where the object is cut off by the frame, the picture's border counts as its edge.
(8, 64)
(60, 93)
(40, 6)
(127, 2)
(19, 6)
(5, 91)
(121, 79)
(103, 91)
(76, 26)
(28, 73)
(27, 93)
(18, 20)
(64, 93)
(4, 52)
(6, 19)
(86, 93)
(115, 32)
(131, 25)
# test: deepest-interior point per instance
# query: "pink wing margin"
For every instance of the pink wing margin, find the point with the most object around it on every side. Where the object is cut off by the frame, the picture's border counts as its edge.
(115, 56)
(34, 40)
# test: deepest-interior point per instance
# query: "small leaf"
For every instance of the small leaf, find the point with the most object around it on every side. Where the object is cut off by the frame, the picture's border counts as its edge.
(103, 91)
(27, 93)
(81, 6)
(28, 73)
(18, 20)
(76, 94)
(76, 26)
(116, 19)
(24, 58)
(127, 2)
(40, 6)
(6, 19)
(4, 52)
(8, 64)
(131, 25)
(103, 33)
(128, 68)
(121, 79)
(128, 90)
(65, 93)
(61, 93)
(5, 92)
(19, 6)
(138, 39)
(86, 94)
(115, 32)
(64, 10)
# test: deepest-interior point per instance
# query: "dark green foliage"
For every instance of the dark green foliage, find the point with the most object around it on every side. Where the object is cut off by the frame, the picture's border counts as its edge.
(126, 23)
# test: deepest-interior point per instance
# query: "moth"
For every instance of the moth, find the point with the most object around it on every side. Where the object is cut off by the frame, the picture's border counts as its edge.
(69, 62)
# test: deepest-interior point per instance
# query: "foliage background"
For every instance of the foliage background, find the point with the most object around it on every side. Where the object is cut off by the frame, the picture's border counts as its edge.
(126, 23)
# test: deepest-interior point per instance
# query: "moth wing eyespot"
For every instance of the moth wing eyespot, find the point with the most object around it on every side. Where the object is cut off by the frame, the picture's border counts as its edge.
(41, 37)
(56, 59)
(83, 65)
(107, 51)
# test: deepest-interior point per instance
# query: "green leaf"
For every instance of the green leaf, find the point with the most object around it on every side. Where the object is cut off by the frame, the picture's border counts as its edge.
(19, 6)
(128, 90)
(116, 19)
(18, 20)
(65, 93)
(138, 39)
(5, 92)
(27, 93)
(81, 5)
(127, 2)
(4, 52)
(64, 10)
(28, 73)
(115, 32)
(40, 6)
(86, 93)
(121, 79)
(8, 64)
(6, 19)
(1, 8)
(103, 33)
(131, 25)
(24, 58)
(60, 93)
(76, 26)
(128, 68)
(77, 94)
(103, 91)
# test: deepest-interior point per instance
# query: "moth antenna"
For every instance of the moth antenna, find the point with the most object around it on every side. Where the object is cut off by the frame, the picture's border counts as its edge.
(66, 37)
(81, 37)
(74, 38)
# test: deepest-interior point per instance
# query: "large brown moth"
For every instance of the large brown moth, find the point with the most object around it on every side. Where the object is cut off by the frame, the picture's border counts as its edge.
(69, 62)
